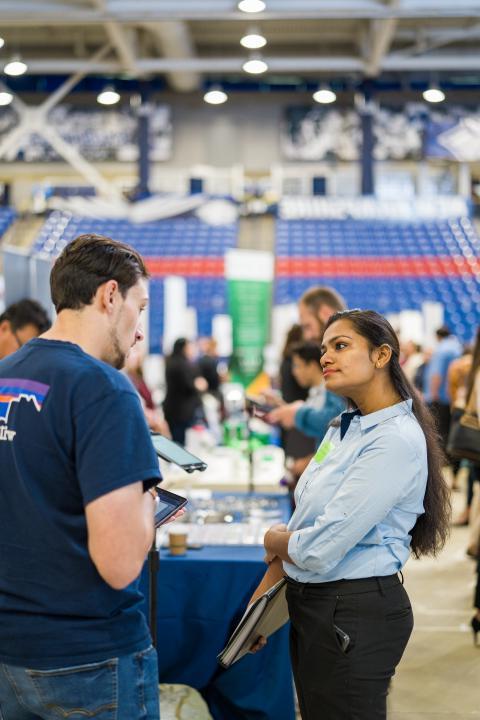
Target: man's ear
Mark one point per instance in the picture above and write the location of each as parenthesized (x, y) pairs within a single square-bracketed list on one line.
[(107, 296), (5, 326)]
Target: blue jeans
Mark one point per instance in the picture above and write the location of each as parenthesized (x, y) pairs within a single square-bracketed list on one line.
[(122, 688)]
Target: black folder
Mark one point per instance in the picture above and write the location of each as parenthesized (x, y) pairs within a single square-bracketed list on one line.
[(262, 618)]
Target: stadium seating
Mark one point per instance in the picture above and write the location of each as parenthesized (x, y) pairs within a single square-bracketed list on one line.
[(386, 266), (183, 246)]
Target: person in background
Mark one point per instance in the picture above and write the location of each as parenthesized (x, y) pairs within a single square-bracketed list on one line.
[(314, 308), (295, 443), (134, 372), (307, 371), (458, 372), (19, 323), (373, 494), (419, 377), (473, 391), (77, 501), (412, 359), (207, 364), (182, 405), (436, 382)]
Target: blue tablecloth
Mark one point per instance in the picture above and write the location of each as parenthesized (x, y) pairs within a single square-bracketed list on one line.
[(201, 597)]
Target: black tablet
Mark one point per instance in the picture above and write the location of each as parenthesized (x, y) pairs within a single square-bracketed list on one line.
[(166, 505)]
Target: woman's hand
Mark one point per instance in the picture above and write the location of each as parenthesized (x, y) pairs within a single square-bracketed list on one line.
[(259, 644)]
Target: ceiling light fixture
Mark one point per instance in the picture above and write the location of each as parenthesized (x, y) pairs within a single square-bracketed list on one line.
[(5, 98), (108, 96), (255, 65), (324, 95), (2, 42), (433, 94), (253, 40), (215, 96), (15, 67), (251, 6)]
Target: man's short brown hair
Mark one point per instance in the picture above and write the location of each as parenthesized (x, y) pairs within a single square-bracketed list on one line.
[(88, 262), (314, 298)]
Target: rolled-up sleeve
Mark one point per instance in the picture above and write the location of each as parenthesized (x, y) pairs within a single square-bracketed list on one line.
[(384, 472)]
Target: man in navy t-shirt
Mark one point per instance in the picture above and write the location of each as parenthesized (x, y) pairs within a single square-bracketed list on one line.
[(76, 517)]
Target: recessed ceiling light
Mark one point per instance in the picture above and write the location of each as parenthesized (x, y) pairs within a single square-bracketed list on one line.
[(215, 96), (15, 67), (109, 96), (324, 96), (253, 41), (434, 95), (255, 66), (251, 6), (5, 98)]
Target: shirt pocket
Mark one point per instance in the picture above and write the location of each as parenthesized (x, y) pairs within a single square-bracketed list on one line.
[(87, 691)]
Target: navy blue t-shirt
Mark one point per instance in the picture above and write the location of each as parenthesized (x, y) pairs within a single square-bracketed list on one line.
[(71, 430)]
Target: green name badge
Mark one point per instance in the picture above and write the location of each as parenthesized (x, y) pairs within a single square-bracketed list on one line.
[(322, 452)]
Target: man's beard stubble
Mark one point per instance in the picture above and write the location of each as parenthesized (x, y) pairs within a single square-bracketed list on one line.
[(116, 357)]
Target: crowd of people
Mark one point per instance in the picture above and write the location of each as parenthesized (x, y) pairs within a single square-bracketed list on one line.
[(366, 427)]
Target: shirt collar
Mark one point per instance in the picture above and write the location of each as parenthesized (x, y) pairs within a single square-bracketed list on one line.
[(372, 419)]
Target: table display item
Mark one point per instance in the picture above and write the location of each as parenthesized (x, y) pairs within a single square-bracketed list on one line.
[(177, 541)]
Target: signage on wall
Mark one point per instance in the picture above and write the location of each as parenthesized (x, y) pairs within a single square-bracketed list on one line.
[(317, 134), (99, 134)]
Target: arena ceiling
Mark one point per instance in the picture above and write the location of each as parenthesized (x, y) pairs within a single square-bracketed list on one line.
[(189, 42)]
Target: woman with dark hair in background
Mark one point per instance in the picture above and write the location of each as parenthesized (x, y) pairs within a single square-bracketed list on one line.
[(473, 398), (295, 443), (182, 405), (373, 493)]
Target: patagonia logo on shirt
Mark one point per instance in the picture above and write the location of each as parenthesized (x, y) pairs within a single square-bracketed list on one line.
[(14, 390), (325, 448)]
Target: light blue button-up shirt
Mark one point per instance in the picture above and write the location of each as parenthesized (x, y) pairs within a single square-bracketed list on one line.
[(359, 498)]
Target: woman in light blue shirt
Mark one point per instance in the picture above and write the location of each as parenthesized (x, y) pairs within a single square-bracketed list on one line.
[(373, 493)]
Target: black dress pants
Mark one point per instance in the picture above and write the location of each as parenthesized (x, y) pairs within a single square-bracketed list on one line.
[(350, 684)]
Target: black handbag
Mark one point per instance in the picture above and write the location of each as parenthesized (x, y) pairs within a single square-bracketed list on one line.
[(464, 436)]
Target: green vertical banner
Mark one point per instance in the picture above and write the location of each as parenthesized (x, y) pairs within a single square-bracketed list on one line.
[(249, 276)]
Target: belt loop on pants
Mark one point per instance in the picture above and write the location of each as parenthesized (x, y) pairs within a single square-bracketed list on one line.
[(401, 577)]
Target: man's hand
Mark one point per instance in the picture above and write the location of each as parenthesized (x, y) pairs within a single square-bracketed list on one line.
[(177, 515), (284, 415), (272, 397)]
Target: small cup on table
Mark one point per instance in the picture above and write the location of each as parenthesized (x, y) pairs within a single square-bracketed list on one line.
[(177, 541)]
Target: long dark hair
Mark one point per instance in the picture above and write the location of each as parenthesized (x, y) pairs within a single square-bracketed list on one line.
[(475, 365), (432, 528)]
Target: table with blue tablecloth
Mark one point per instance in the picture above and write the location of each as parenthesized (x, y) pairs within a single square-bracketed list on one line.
[(201, 597)]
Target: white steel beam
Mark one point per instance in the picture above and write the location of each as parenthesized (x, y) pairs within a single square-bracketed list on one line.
[(429, 39), (174, 41), (382, 33), (31, 12), (394, 61), (34, 119), (122, 39), (76, 160)]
